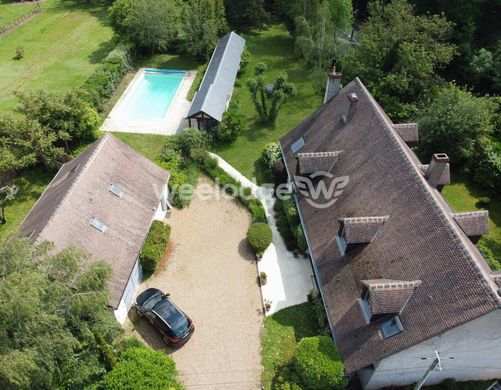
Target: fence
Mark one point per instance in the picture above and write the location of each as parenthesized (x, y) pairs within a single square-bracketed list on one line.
[(21, 19)]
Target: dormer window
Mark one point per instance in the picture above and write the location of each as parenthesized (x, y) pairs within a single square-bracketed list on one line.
[(366, 305), (391, 327)]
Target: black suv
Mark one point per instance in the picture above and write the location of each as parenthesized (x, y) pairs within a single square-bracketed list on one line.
[(174, 326)]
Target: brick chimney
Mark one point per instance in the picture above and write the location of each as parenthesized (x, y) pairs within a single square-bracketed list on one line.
[(333, 85), (352, 103), (437, 166)]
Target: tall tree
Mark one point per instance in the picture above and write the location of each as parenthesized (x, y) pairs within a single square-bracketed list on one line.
[(244, 15), (399, 54), (268, 99), (51, 311), (202, 22)]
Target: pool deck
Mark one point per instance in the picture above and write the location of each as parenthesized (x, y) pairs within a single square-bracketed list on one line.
[(173, 122)]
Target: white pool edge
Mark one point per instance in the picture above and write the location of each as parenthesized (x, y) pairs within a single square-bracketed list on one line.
[(171, 123)]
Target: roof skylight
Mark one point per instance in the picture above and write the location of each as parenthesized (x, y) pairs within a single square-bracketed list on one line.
[(97, 224), (297, 145), (115, 190)]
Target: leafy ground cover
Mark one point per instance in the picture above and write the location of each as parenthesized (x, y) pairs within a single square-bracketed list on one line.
[(463, 195), (62, 46), (274, 46), (282, 331), (10, 11)]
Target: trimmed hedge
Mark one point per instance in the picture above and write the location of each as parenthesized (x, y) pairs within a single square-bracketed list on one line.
[(317, 363), (154, 246), (104, 81), (142, 368), (259, 236)]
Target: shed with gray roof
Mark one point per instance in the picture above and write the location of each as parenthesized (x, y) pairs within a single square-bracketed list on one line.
[(212, 98)]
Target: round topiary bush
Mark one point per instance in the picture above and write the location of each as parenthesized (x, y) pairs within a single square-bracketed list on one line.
[(259, 236), (318, 364)]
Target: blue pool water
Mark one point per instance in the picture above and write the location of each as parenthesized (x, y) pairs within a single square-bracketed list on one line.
[(152, 97)]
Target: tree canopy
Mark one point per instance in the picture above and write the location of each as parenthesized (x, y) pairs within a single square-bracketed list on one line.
[(398, 56), (51, 311)]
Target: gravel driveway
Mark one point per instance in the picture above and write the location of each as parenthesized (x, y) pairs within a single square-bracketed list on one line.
[(211, 276)]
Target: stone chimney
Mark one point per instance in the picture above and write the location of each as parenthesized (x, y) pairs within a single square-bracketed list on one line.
[(352, 103), (333, 85), (437, 166)]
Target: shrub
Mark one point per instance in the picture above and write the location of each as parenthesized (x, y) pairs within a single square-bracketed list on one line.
[(271, 154), (19, 53), (154, 246), (143, 367), (244, 60), (262, 278), (103, 82), (300, 238), (191, 139), (230, 127), (259, 236), (318, 364)]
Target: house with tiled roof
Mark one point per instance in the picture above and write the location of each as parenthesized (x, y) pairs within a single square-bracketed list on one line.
[(104, 202), (408, 295)]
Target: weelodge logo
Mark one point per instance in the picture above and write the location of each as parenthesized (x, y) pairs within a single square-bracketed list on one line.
[(321, 189)]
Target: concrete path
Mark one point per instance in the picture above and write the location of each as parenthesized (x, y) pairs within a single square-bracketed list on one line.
[(211, 275), (289, 278)]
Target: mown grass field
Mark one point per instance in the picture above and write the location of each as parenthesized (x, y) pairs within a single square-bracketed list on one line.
[(275, 47), (10, 11), (62, 45)]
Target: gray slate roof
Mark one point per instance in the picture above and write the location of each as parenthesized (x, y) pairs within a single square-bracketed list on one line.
[(474, 223), (215, 90), (80, 192), (313, 162), (421, 240)]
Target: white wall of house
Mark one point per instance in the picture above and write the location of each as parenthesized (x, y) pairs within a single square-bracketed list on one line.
[(137, 273), (129, 293), (161, 211), (471, 351)]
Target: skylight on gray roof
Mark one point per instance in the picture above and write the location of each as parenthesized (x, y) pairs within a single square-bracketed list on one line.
[(297, 145), (115, 190), (97, 224)]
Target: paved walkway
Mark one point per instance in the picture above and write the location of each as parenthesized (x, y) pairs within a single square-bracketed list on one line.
[(212, 276), (289, 278)]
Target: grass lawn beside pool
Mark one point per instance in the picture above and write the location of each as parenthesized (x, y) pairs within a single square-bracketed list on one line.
[(463, 195), (274, 46), (280, 335), (10, 11), (63, 45), (149, 145)]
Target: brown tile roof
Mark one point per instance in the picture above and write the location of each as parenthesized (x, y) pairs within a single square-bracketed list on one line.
[(408, 131), (362, 229), (80, 192), (389, 296), (473, 223), (420, 240), (313, 162)]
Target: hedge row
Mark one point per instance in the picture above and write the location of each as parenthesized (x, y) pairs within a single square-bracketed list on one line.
[(289, 224), (154, 246), (104, 81)]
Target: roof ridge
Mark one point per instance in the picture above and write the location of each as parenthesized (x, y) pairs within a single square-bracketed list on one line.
[(390, 284), (353, 220), (86, 166), (321, 154), (444, 215), (465, 214)]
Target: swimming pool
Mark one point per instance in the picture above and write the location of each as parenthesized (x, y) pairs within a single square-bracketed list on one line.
[(152, 96)]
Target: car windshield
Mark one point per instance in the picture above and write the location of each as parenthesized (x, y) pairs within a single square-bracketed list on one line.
[(152, 302), (176, 320)]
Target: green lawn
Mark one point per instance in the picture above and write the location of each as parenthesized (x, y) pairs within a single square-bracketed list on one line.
[(31, 185), (275, 47), (149, 145), (463, 195), (282, 331), (10, 11), (63, 45)]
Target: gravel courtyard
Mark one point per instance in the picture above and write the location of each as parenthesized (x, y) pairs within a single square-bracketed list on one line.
[(211, 276)]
